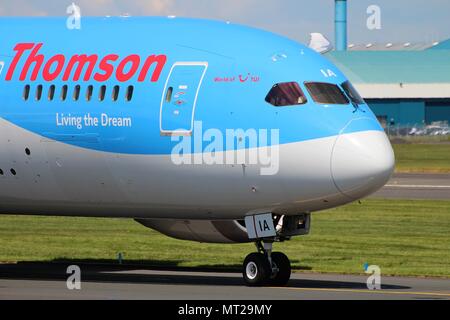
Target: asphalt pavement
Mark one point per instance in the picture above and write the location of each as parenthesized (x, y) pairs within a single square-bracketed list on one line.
[(48, 281), (416, 186)]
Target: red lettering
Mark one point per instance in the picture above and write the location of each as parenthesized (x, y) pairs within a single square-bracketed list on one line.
[(81, 60), (106, 67), (79, 63), (135, 61), (160, 62), (20, 48), (47, 74), (38, 59)]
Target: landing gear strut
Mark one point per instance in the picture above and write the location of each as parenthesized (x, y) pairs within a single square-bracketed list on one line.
[(266, 267)]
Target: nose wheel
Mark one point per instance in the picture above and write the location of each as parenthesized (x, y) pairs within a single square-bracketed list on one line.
[(266, 268)]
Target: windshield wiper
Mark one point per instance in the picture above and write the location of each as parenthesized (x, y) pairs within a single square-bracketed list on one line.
[(356, 106)]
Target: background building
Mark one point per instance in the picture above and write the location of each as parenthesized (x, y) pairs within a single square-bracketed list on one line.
[(404, 84)]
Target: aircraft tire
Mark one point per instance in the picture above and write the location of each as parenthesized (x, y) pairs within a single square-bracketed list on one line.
[(256, 270), (282, 263)]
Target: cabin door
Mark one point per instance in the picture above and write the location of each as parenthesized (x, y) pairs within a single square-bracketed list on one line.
[(180, 97)]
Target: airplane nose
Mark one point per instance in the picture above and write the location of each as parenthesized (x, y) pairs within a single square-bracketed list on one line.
[(361, 162)]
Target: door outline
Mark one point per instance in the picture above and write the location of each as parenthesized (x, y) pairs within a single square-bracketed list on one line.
[(181, 132)]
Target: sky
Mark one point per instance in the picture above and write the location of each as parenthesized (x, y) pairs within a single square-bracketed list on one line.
[(401, 20)]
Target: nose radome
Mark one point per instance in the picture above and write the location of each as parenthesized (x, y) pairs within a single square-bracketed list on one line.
[(363, 161)]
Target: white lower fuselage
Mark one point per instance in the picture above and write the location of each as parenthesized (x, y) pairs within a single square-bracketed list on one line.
[(57, 178)]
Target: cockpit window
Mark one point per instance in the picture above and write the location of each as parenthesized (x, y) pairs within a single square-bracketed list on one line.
[(326, 93), (352, 93), (286, 94)]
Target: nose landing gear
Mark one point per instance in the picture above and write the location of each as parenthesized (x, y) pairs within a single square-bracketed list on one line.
[(266, 267)]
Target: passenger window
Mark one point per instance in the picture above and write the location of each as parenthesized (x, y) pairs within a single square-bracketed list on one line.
[(64, 93), (286, 94), (39, 92), (169, 94), (326, 93), (352, 93), (89, 91), (101, 95), (76, 93), (51, 92), (26, 92), (115, 94), (129, 95)]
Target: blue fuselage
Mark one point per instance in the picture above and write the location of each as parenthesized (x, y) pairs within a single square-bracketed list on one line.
[(103, 108)]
